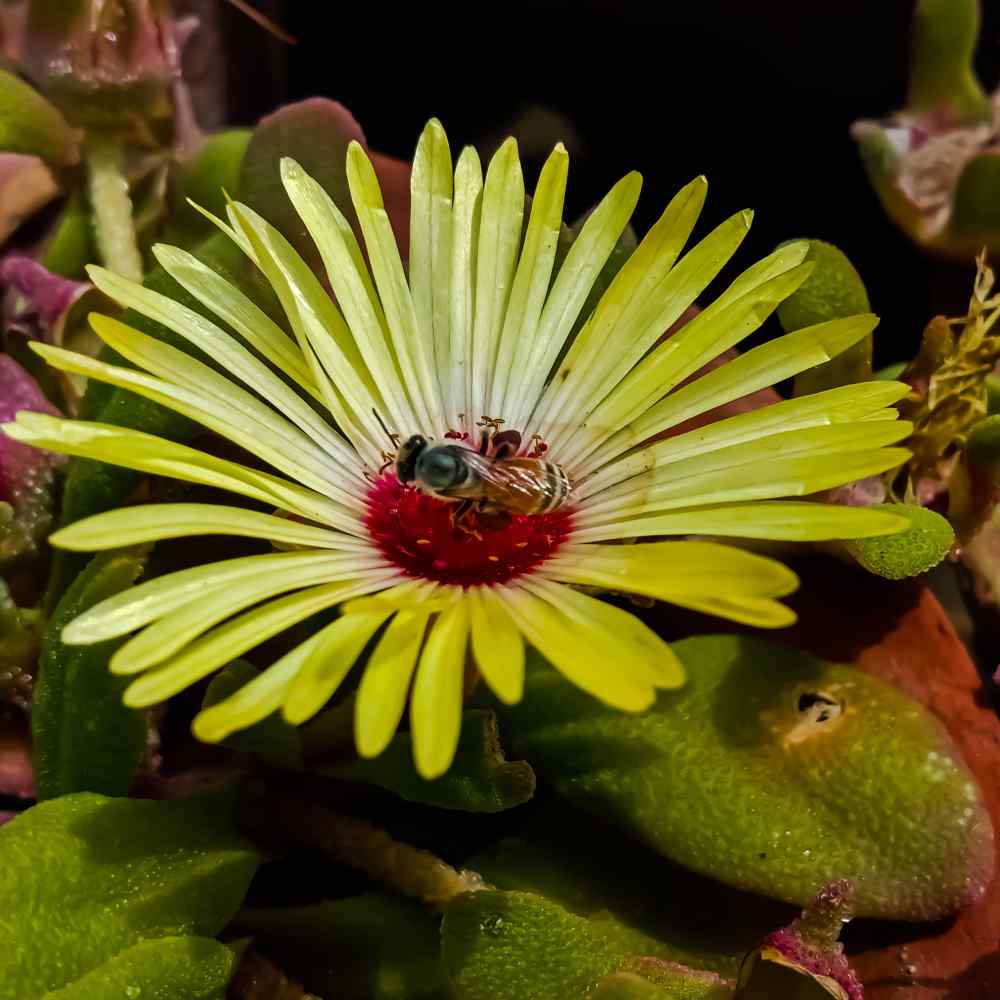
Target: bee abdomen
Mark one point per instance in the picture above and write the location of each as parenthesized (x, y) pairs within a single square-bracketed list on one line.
[(557, 487)]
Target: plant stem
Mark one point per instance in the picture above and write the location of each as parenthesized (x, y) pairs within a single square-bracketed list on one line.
[(357, 843), (112, 207)]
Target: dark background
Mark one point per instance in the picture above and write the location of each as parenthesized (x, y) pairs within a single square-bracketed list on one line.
[(756, 94)]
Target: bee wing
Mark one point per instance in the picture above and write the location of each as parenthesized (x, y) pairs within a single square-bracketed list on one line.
[(509, 475)]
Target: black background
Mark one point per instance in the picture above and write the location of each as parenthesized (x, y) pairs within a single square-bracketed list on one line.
[(756, 94)]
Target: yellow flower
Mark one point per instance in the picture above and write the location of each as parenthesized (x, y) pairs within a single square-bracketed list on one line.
[(484, 324)]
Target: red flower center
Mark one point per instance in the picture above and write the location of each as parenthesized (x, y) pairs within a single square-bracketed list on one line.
[(420, 534)]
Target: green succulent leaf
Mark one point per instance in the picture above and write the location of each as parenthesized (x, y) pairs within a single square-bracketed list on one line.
[(976, 203), (30, 124), (370, 947), (942, 46), (913, 551), (86, 878), (834, 290), (170, 968), (205, 179), (775, 772), (84, 738), (520, 946), (631, 895), (480, 778), (315, 133), (272, 739)]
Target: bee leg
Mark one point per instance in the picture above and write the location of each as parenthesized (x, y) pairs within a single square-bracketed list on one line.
[(493, 518), (459, 511)]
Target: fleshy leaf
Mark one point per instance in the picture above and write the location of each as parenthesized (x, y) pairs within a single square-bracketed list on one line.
[(316, 133), (643, 903), (942, 47), (520, 946), (834, 290), (480, 778), (913, 551), (181, 968), (272, 739), (84, 738), (29, 124), (370, 947), (774, 772), (85, 878)]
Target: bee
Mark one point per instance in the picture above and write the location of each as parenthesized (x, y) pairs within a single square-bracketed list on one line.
[(499, 482)]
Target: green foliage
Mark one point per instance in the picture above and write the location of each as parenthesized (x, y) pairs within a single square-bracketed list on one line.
[(480, 778), (370, 947), (521, 946), (170, 968), (976, 206), (32, 125), (272, 739), (834, 290), (774, 772), (942, 47), (911, 552), (86, 878), (316, 134), (84, 738)]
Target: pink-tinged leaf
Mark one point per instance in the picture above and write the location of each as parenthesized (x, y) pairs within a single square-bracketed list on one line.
[(808, 947), (26, 186), (26, 473), (37, 301), (16, 776)]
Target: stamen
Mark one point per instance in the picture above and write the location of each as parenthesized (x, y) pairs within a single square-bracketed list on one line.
[(421, 534)]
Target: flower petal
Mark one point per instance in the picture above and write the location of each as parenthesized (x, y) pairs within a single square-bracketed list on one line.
[(436, 700), (500, 221), (579, 271), (257, 699), (497, 644), (747, 479), (779, 520), (531, 280), (647, 296), (238, 311), (153, 522), (611, 669), (158, 456), (351, 283), (211, 400), (174, 630), (431, 189), (667, 570), (326, 666), (465, 219), (228, 641), (712, 332), (414, 345), (138, 606), (759, 368), (758, 612), (386, 682), (832, 406), (765, 460), (348, 389)]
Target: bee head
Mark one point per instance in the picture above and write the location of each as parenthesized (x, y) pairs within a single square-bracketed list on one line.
[(406, 458), (441, 467)]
